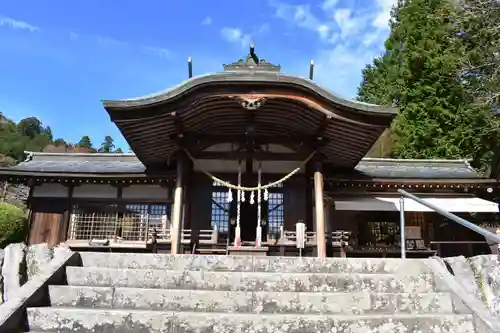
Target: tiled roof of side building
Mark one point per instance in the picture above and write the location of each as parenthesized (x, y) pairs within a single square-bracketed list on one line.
[(78, 163), (107, 164), (417, 169)]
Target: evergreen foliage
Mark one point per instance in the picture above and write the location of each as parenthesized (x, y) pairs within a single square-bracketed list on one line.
[(107, 146), (13, 225), (421, 73), (30, 135), (85, 142)]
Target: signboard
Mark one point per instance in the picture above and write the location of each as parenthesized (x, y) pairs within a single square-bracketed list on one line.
[(300, 229)]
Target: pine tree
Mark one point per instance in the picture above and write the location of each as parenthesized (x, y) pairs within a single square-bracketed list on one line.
[(107, 146), (85, 142)]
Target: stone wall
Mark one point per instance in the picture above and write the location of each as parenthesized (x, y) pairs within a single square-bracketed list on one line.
[(19, 263), (480, 276)]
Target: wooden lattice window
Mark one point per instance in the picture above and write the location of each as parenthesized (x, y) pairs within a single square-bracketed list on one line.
[(128, 221), (220, 210), (275, 212), (156, 214)]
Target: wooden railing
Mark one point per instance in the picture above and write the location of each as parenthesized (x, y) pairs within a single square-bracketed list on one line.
[(134, 230), (338, 238), (204, 237)]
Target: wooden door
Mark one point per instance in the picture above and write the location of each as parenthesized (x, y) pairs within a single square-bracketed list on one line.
[(49, 221), (47, 228)]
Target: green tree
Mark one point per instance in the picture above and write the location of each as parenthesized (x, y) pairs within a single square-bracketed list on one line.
[(420, 74), (119, 151), (108, 145), (60, 142), (479, 24), (13, 225), (47, 131), (30, 127), (85, 142)]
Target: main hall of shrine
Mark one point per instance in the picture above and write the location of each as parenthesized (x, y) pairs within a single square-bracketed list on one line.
[(252, 160)]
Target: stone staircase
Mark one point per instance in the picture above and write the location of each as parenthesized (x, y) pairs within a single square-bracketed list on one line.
[(146, 293)]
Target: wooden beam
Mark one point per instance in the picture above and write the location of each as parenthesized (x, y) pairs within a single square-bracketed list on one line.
[(190, 138), (263, 156)]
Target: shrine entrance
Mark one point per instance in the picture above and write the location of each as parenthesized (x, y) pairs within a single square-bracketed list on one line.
[(248, 222), (252, 114)]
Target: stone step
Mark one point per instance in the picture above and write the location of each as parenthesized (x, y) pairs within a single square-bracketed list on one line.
[(76, 320), (249, 302), (249, 281), (252, 264)]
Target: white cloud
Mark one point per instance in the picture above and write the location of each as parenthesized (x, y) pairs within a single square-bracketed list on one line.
[(111, 43), (329, 4), (324, 31), (383, 13), (207, 21), (106, 41), (263, 28), (300, 15), (157, 51), (349, 36), (236, 35), (73, 36), (17, 25), (349, 23), (243, 38)]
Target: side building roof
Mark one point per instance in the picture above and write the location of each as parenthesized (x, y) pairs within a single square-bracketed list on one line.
[(76, 165)]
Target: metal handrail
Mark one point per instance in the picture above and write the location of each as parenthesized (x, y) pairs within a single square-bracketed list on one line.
[(491, 237)]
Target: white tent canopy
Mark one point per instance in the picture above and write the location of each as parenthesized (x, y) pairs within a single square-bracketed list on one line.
[(450, 204)]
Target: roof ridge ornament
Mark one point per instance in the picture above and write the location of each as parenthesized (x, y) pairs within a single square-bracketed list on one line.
[(252, 63)]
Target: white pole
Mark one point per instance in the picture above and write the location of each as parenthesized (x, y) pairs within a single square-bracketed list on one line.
[(237, 233), (259, 208), (402, 226)]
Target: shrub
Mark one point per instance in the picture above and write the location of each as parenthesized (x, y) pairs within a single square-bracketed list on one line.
[(13, 224)]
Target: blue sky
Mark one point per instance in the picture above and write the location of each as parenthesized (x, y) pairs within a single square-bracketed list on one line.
[(59, 59)]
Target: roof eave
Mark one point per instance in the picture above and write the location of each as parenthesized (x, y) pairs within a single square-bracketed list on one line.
[(30, 174), (258, 77)]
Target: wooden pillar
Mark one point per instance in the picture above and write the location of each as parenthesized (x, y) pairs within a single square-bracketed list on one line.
[(319, 211), (178, 207), (308, 198)]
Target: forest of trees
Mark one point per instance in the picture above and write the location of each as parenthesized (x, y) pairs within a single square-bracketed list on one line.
[(441, 68), (30, 135)]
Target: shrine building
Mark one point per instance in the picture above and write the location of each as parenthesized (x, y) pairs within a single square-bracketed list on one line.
[(248, 160)]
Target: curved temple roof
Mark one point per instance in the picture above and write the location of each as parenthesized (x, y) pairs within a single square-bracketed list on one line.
[(280, 109), (242, 77)]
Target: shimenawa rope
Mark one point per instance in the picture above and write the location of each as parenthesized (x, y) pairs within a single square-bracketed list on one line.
[(245, 188)]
